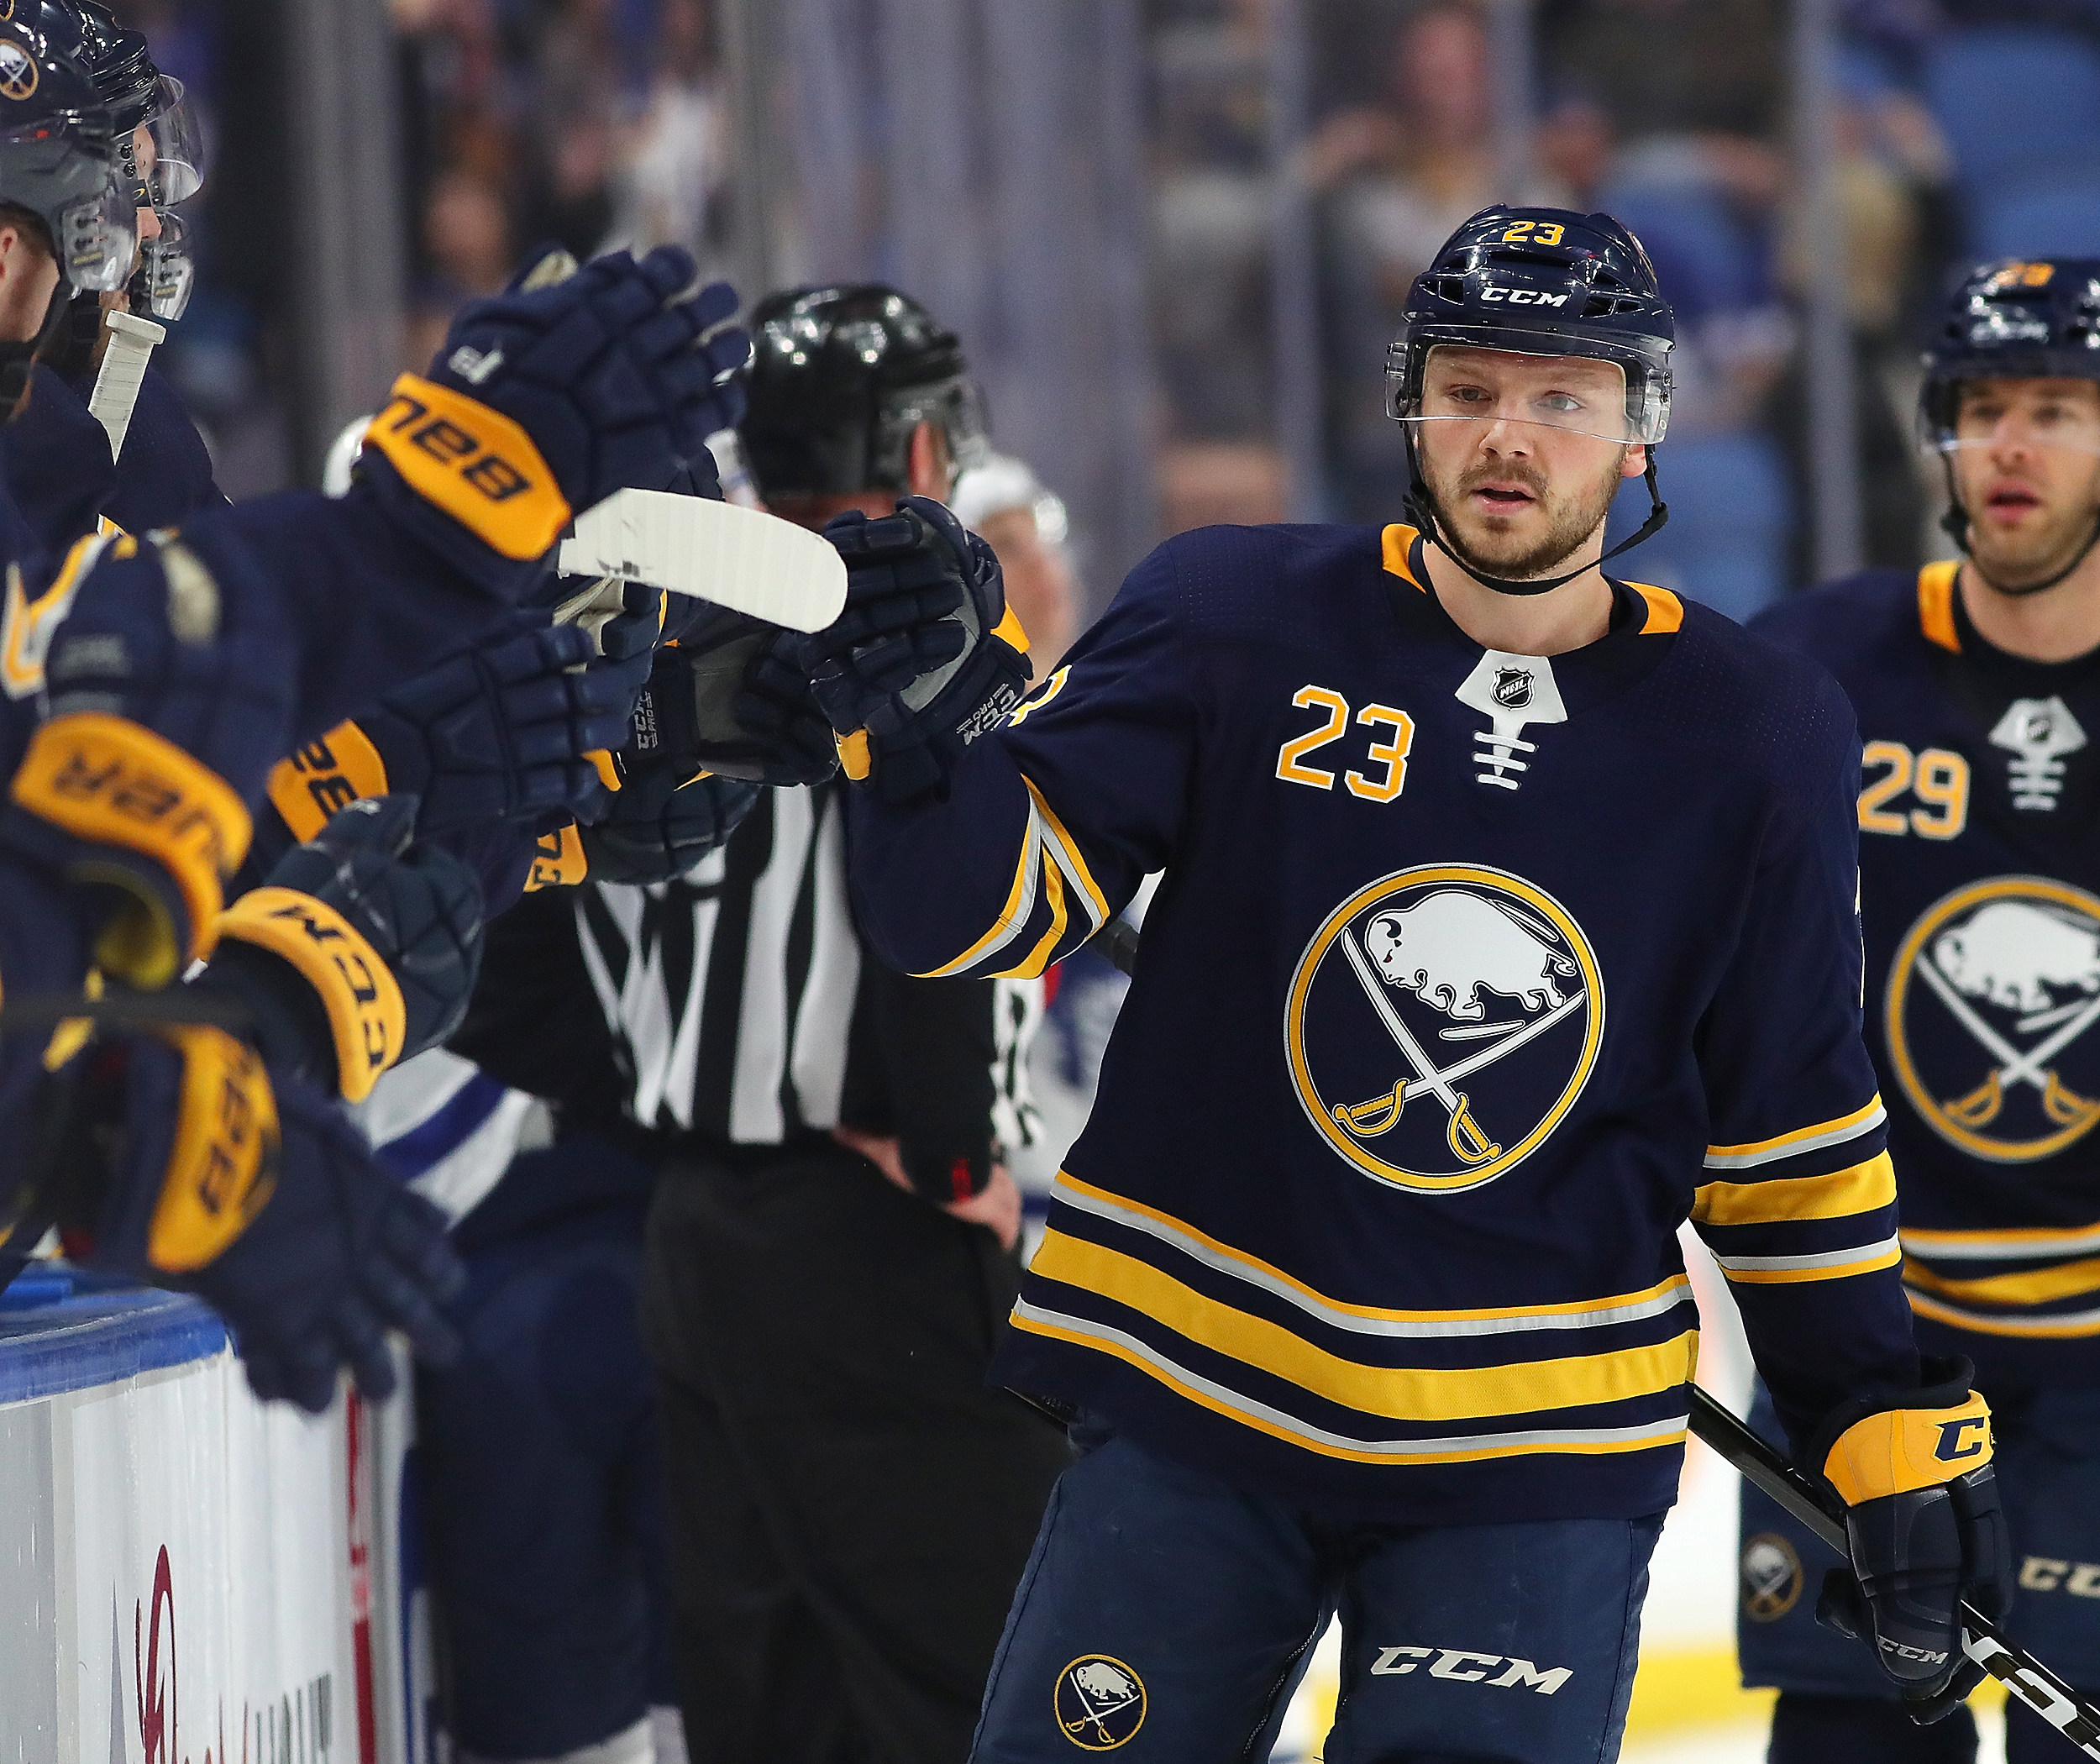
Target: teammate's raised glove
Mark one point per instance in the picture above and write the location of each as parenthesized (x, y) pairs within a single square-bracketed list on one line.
[(547, 398), (503, 730), (359, 951), (663, 822), (1927, 1532), (926, 656), (211, 1174), (719, 699)]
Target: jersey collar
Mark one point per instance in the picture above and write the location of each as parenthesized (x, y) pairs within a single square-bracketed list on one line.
[(1661, 613)]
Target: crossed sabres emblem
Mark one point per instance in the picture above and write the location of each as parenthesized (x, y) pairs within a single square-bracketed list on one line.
[(1447, 950), (2015, 945), (1100, 1702)]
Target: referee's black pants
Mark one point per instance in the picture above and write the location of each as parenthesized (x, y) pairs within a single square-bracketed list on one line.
[(850, 1507)]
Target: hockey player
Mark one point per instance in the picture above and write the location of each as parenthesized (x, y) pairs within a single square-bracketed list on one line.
[(1508, 920), (1976, 684)]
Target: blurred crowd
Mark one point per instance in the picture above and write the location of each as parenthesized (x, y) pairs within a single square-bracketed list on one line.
[(1965, 129)]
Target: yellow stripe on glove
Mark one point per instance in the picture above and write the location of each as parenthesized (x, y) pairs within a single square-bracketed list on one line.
[(222, 1169), (358, 990), (1901, 1449), (110, 781), (341, 768), (475, 464)]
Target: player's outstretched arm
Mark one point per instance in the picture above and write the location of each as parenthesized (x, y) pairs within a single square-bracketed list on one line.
[(994, 835)]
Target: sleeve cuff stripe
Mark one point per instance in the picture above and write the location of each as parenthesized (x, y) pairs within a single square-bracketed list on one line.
[(2020, 1244), (1862, 1188), (1828, 1265), (1020, 907), (1069, 858), (1801, 1139)]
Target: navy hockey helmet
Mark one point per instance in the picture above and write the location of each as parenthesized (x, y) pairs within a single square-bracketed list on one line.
[(120, 63), (1541, 281), (840, 378), (2013, 320), (58, 160)]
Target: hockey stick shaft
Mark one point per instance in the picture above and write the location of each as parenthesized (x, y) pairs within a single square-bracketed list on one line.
[(1763, 1467), (2023, 1676)]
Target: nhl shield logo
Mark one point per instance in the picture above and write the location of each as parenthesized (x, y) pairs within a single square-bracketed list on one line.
[(1442, 1023), (1992, 998), (1512, 689), (1772, 1578), (1100, 1702)]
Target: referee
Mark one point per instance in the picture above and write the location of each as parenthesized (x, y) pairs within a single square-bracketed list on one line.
[(830, 1251)]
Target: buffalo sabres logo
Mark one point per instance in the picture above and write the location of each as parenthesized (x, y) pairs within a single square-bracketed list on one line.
[(1100, 1702), (17, 71), (1992, 992), (1440, 1024), (1772, 1578)]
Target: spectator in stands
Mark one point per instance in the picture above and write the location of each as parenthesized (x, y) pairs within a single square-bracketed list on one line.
[(466, 236), (678, 163)]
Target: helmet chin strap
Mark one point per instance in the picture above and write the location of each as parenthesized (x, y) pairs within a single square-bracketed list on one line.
[(1955, 523), (1420, 509), (18, 360)]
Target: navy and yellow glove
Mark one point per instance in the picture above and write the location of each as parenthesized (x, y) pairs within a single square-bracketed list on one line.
[(194, 1165), (1927, 1531), (547, 398), (926, 657), (663, 824), (503, 729), (360, 950)]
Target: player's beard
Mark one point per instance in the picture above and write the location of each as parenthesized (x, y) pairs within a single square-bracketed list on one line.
[(2024, 563), (1572, 518)]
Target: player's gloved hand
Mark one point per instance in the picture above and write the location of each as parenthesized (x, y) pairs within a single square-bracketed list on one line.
[(360, 950), (719, 701), (1927, 1531), (548, 397), (217, 1176), (659, 826), (926, 656), (503, 730)]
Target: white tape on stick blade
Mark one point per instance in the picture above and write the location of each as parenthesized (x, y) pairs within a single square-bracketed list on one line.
[(742, 558), (132, 342)]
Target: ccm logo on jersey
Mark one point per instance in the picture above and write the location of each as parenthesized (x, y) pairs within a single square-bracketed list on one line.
[(1462, 1667), (1524, 296), (2047, 1574)]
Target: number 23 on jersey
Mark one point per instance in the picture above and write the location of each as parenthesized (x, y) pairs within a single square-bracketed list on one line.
[(1384, 773)]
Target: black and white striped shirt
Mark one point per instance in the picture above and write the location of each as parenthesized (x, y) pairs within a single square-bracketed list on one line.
[(741, 1008)]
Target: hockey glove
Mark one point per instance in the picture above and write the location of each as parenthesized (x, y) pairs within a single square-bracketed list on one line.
[(547, 398), (659, 828), (358, 952), (503, 729), (1927, 1532), (212, 1174), (718, 701), (926, 656)]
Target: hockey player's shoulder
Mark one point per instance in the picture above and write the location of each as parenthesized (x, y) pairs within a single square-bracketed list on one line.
[(1774, 707), (1226, 578), (1843, 619)]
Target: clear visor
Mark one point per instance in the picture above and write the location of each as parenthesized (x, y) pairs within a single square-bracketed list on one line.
[(1985, 421), (957, 407), (98, 240), (171, 269), (1490, 383), (167, 149)]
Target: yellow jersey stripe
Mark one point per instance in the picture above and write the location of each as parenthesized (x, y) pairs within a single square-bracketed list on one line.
[(2071, 1325), (1823, 1134), (2041, 1286), (1084, 1332), (1366, 1319), (1394, 545), (2014, 1244), (1666, 612), (1860, 1188), (1830, 1265), (1038, 958), (1013, 916), (1935, 604), (1403, 1393), (1074, 865)]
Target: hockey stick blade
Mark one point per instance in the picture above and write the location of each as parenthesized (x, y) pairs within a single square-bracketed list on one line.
[(742, 558), (1982, 1640)]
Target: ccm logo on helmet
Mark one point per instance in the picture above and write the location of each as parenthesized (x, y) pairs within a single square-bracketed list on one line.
[(1524, 296), (1462, 1667)]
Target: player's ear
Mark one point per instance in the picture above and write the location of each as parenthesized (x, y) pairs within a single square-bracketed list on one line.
[(1635, 461)]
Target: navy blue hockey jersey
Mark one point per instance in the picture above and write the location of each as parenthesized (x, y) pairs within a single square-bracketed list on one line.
[(1472, 976), (1980, 871)]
